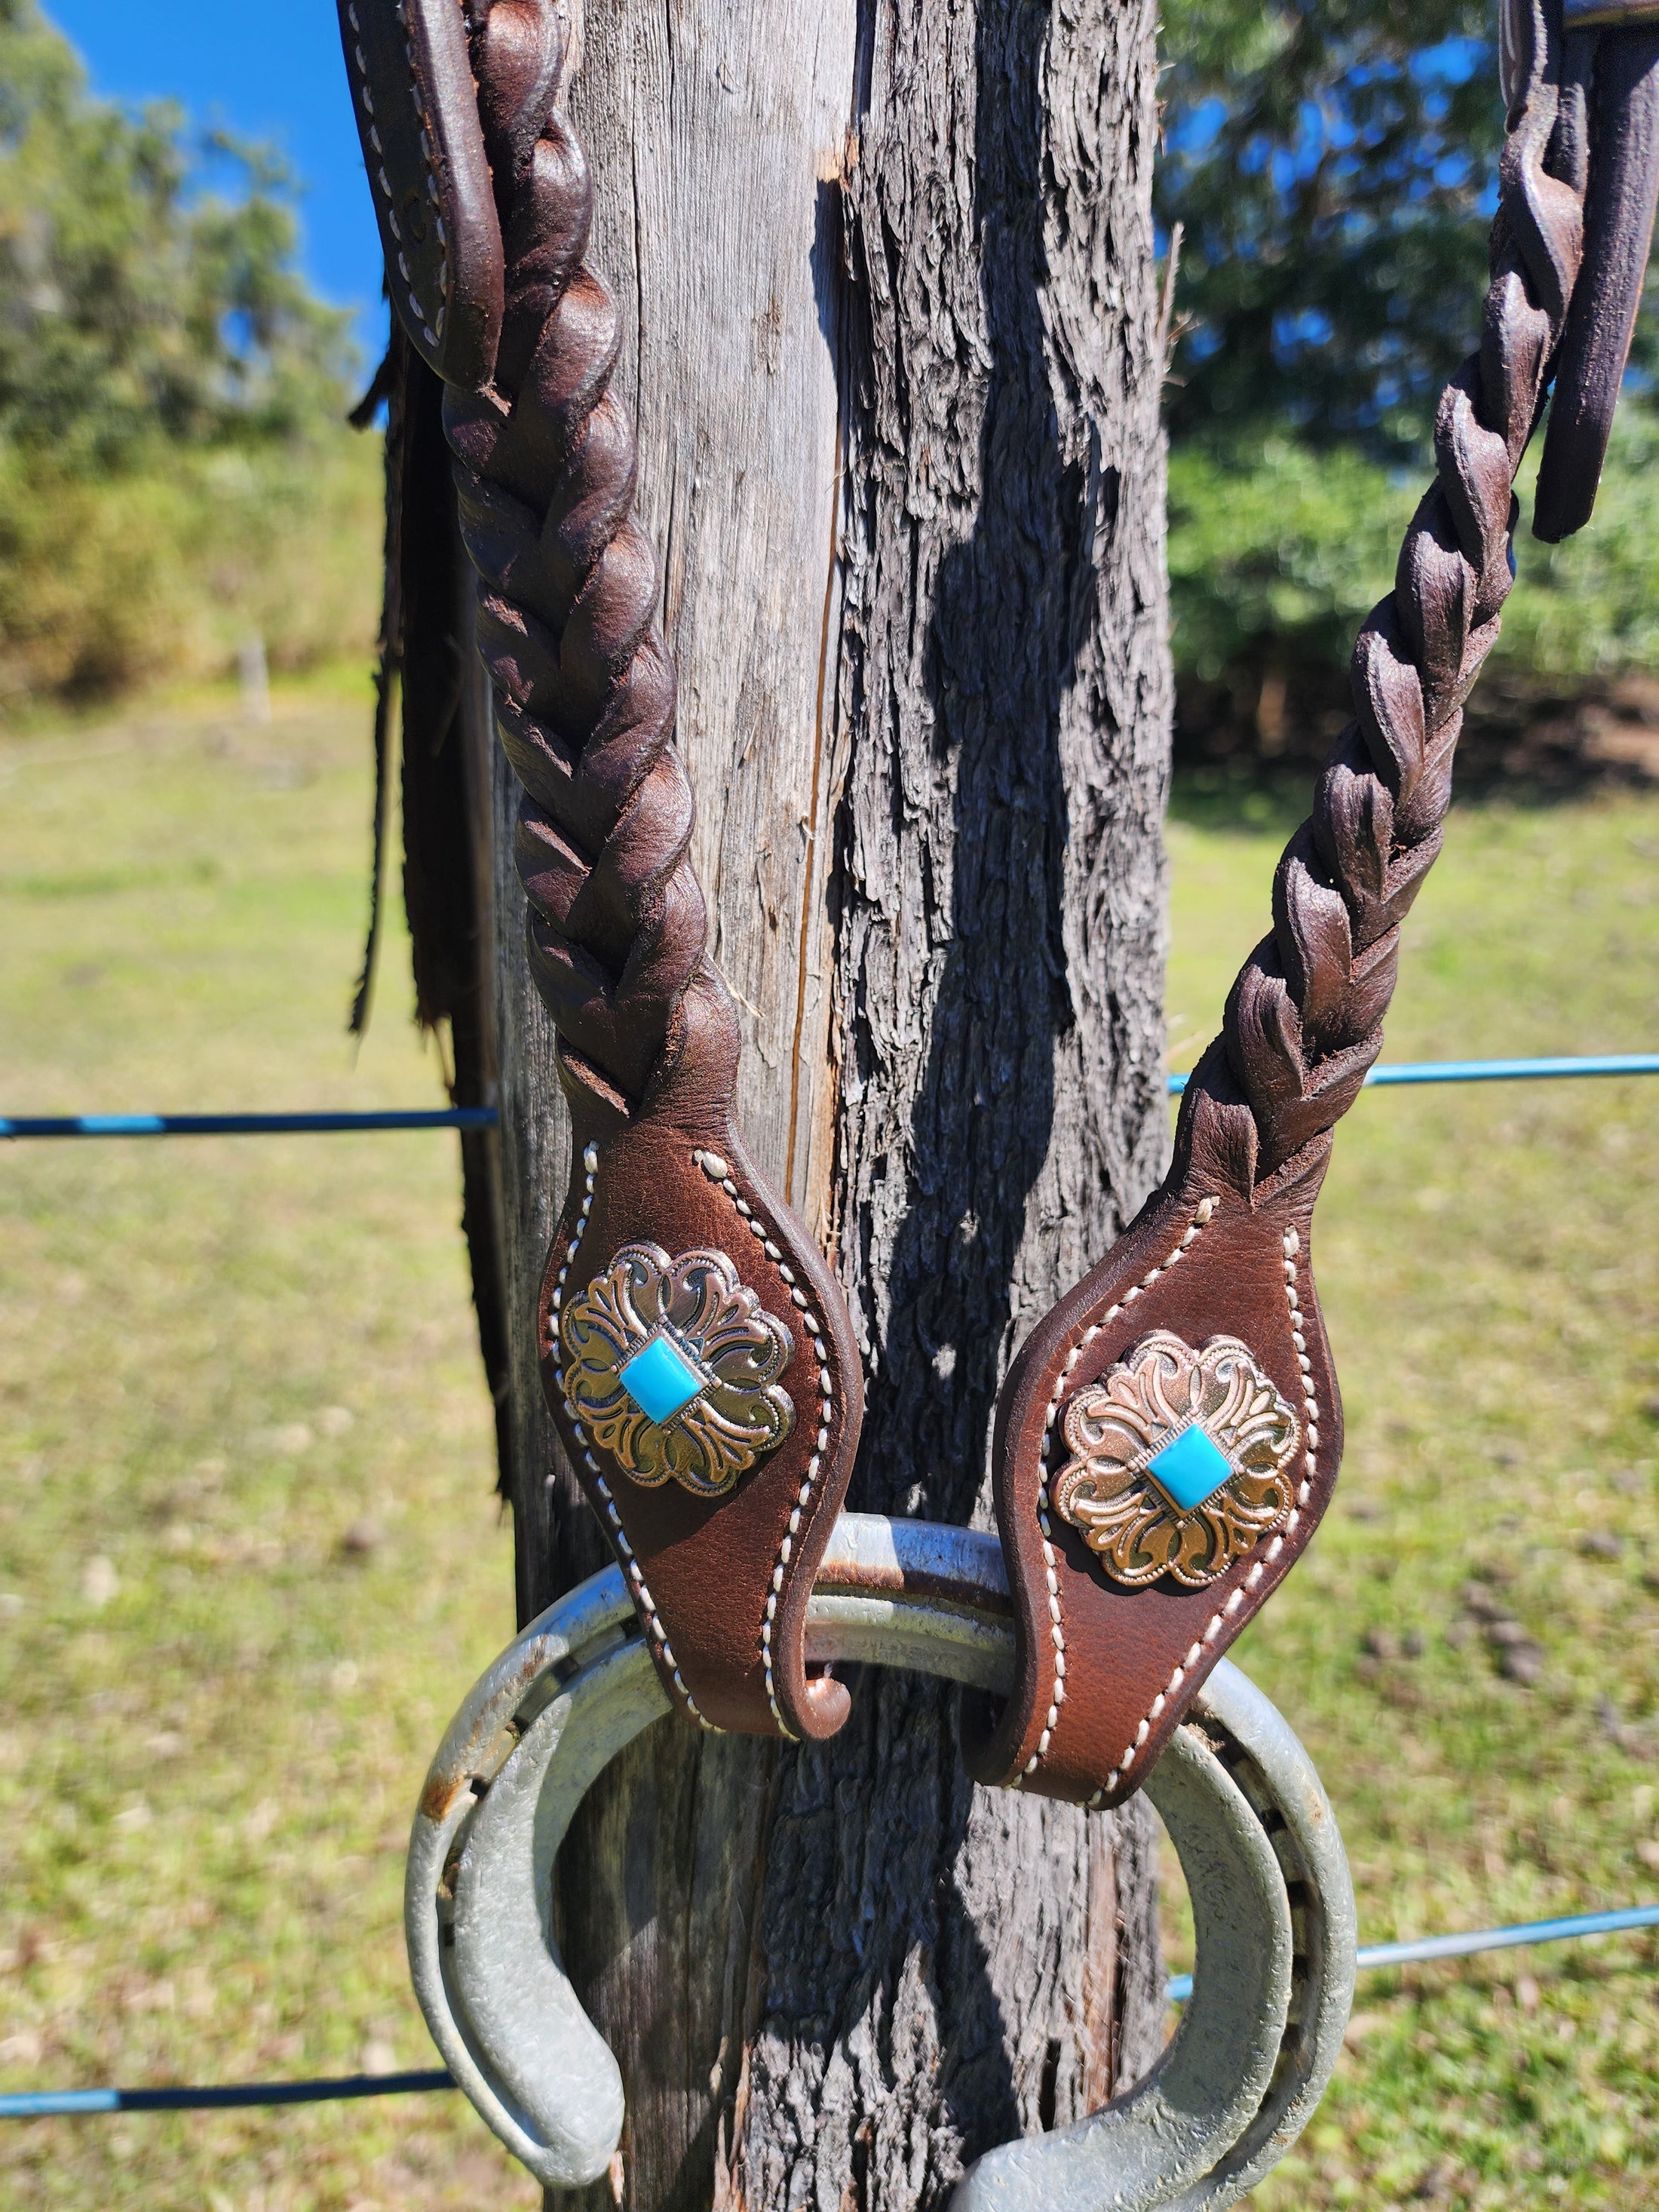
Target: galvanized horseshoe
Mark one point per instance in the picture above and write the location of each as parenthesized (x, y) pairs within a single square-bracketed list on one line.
[(1273, 1979)]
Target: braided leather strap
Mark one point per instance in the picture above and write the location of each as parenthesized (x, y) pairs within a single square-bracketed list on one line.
[(1169, 1434), (695, 1350)]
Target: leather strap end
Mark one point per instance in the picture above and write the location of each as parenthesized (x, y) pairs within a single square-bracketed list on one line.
[(416, 107), (1165, 1446), (698, 1360), (1618, 213)]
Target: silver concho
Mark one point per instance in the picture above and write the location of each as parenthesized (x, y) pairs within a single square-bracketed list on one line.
[(1180, 1463), (672, 1365)]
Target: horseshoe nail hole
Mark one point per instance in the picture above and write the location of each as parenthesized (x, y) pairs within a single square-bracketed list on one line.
[(494, 1758), (1288, 1853), (446, 1880), (1302, 1899), (1251, 1780)]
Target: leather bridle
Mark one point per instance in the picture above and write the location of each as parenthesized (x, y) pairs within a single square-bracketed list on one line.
[(1169, 1434)]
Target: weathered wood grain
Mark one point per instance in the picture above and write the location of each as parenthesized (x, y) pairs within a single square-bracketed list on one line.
[(887, 274)]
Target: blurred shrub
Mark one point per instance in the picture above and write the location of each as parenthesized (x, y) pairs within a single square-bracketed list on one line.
[(1278, 551), (174, 470), (166, 570)]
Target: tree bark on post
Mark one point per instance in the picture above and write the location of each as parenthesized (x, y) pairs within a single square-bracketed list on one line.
[(894, 354)]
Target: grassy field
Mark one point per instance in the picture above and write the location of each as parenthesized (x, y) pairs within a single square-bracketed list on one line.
[(249, 1557), (247, 1540), (1471, 1648)]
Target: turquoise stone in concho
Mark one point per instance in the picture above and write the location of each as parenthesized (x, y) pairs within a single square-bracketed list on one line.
[(1181, 1460), (671, 1366), (659, 1381), (1190, 1468)]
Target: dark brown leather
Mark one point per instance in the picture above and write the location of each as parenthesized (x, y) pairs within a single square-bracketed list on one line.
[(412, 94), (1105, 1672), (1623, 149), (719, 1510), (1114, 1641)]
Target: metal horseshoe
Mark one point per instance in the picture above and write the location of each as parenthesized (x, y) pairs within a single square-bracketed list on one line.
[(1273, 1903)]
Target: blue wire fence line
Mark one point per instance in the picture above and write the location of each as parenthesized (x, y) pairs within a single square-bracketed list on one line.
[(57, 2104), (1494, 1071), (241, 1125), (485, 1117), (60, 2103), (1371, 1956)]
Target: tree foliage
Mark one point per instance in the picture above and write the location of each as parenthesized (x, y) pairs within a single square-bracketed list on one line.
[(139, 303), (1331, 163), (1279, 552), (174, 472)]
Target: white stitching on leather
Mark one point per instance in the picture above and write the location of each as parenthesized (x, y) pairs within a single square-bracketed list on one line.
[(631, 1565), (717, 1171), (1310, 1403), (367, 97), (1057, 1628)]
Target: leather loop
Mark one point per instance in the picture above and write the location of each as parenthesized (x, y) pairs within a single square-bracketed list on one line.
[(1619, 211), (721, 1581), (1213, 1281)]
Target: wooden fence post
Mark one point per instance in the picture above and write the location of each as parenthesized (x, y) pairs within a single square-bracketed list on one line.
[(886, 271)]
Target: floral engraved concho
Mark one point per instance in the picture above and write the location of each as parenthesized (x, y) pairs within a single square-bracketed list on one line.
[(672, 1365), (1180, 1461)]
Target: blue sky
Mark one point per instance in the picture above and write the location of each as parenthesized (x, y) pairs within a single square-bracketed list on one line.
[(272, 72)]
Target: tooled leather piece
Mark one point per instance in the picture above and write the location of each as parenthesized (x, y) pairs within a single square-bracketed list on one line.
[(1105, 1672), (1112, 1650), (411, 93), (716, 1272), (722, 1584)]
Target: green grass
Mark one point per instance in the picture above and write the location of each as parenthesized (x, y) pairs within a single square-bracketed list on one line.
[(1489, 1260), (217, 1357)]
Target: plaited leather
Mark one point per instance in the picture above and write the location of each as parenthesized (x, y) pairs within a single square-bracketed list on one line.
[(648, 1042), (1116, 1635), (1223, 1247)]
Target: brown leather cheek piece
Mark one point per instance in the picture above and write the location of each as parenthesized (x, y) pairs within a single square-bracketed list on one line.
[(412, 94), (1206, 1284), (721, 1580), (695, 1350), (1169, 1437)]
